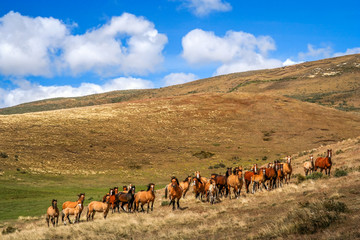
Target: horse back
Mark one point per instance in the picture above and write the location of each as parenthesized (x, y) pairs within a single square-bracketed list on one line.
[(248, 175), (69, 204), (320, 162)]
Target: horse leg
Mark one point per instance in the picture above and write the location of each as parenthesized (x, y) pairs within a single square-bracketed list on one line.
[(173, 201), (178, 204), (152, 205), (47, 220)]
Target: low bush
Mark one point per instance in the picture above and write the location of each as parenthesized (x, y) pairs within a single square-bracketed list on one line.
[(315, 176), (340, 172)]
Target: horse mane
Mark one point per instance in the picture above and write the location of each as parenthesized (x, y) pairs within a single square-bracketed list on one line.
[(52, 203), (177, 181), (148, 187), (186, 179)]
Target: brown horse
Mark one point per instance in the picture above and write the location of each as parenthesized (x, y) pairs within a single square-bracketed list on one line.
[(113, 201), (271, 176), (287, 169), (144, 197), (65, 213), (127, 198), (279, 168), (258, 179), (235, 181), (69, 204), (185, 185), (53, 213), (96, 206), (221, 181), (199, 187), (324, 163), (175, 192), (198, 175), (309, 165)]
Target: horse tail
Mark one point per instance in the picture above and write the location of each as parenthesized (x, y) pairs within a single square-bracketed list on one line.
[(166, 191)]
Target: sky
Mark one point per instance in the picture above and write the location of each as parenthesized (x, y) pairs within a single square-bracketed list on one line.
[(51, 49)]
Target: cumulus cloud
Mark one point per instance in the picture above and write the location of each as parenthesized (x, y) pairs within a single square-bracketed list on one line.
[(316, 53), (236, 51), (178, 78), (28, 45), (205, 7), (289, 62), (101, 49), (27, 91), (44, 47)]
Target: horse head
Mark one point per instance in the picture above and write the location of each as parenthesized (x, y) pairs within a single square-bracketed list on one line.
[(289, 160), (255, 169), (54, 203), (151, 187), (197, 174), (174, 181), (125, 188)]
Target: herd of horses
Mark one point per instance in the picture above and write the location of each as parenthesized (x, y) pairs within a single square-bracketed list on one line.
[(269, 176)]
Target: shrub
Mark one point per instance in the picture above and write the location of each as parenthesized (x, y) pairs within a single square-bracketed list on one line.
[(165, 203), (339, 151), (219, 165), (315, 175), (300, 178), (264, 158), (340, 172), (3, 155), (8, 230), (203, 154)]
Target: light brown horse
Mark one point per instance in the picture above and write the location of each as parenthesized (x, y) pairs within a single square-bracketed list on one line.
[(69, 204), (235, 181), (52, 213), (185, 185), (324, 163), (309, 166), (97, 206), (175, 192), (65, 213), (280, 174), (212, 191), (144, 197), (258, 179), (287, 169)]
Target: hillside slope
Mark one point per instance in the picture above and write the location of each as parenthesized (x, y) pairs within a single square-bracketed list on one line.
[(157, 136), (334, 82)]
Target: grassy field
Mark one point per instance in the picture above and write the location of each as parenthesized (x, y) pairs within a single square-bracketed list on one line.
[(27, 194), (318, 208)]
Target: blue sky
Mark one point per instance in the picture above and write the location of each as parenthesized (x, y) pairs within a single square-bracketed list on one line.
[(73, 48)]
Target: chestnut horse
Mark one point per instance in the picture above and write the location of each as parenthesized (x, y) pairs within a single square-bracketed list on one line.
[(175, 192), (221, 181), (53, 213), (69, 204), (114, 201), (324, 163), (96, 206), (279, 168), (199, 187), (65, 213), (202, 179), (144, 197), (271, 176), (309, 165)]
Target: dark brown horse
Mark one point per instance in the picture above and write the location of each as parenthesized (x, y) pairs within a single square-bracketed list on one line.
[(221, 181), (199, 187), (324, 163), (126, 198), (114, 201)]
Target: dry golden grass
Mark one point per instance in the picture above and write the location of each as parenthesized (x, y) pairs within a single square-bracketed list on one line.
[(262, 215), (153, 138)]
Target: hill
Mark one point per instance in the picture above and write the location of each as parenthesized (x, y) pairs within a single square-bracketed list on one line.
[(333, 82)]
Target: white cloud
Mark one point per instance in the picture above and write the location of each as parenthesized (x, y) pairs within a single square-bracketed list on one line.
[(236, 51), (102, 50), (27, 92), (27, 45), (316, 53), (205, 7), (289, 62), (348, 51), (178, 78), (44, 47)]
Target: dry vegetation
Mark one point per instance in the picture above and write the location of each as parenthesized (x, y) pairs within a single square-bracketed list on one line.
[(314, 209)]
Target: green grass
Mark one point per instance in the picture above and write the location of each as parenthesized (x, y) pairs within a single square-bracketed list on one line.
[(32, 195)]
